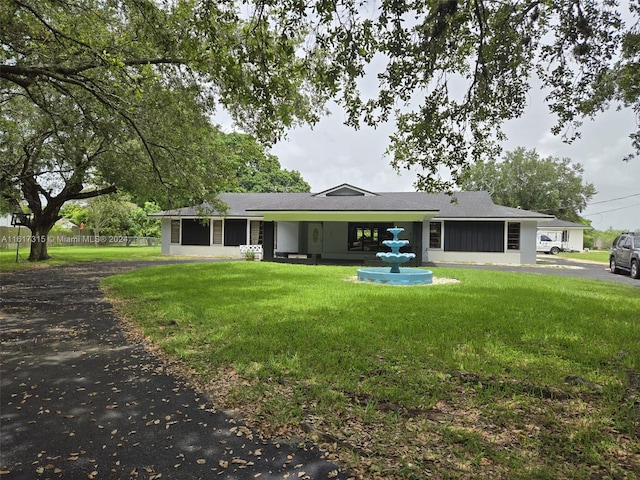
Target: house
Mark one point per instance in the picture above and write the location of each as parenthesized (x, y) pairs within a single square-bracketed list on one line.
[(347, 223), (66, 224), (569, 234)]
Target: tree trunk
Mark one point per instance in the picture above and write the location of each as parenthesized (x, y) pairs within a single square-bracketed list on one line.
[(40, 228)]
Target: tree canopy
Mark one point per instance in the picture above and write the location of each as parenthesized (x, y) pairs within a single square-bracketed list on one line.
[(255, 169), (101, 95), (522, 179), (114, 215), (450, 73)]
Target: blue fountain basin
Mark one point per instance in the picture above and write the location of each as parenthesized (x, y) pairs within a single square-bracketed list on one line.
[(406, 276)]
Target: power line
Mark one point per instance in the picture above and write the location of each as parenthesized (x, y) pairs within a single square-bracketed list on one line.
[(596, 203), (613, 210), (614, 199)]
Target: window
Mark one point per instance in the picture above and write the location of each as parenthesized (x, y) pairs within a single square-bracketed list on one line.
[(235, 232), (615, 241), (513, 236), (194, 232), (175, 231), (435, 235), (256, 232), (217, 232), (368, 237), (465, 236)]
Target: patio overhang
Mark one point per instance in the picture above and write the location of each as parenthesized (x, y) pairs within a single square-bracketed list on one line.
[(345, 216)]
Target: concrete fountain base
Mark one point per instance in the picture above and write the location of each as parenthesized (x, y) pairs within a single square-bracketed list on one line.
[(406, 276)]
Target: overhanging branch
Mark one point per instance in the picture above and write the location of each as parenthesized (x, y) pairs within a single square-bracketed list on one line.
[(25, 76), (94, 193)]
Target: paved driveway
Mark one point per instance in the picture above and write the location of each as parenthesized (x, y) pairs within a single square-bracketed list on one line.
[(551, 265)]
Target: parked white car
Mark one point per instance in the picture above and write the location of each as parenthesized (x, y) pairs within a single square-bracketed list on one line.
[(546, 244)]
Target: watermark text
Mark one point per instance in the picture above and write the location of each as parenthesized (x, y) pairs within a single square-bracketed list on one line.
[(63, 239)]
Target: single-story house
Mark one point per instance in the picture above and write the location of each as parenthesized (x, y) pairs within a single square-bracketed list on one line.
[(5, 220), (347, 223), (66, 224), (570, 234)]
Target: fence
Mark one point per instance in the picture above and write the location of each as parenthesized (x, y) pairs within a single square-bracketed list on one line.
[(10, 237)]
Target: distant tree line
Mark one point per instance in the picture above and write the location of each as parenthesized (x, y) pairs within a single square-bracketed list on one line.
[(523, 179)]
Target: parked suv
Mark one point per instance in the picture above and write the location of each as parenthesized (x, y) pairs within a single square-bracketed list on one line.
[(625, 254)]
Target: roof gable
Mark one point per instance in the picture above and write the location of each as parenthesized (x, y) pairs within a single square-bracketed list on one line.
[(345, 190)]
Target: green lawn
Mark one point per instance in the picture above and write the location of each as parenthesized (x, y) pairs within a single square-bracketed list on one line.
[(591, 256), (502, 375), (77, 253)]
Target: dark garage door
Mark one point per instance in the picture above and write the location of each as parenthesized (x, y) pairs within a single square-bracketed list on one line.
[(474, 236)]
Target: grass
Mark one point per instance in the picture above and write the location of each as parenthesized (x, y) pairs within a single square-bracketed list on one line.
[(591, 256), (502, 375), (77, 253)]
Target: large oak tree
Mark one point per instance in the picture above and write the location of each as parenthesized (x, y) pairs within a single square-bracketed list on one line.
[(100, 95)]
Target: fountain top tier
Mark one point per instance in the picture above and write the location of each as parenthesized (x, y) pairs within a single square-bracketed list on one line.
[(395, 244)]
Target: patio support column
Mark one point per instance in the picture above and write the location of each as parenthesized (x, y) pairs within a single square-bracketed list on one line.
[(268, 237), (416, 242)]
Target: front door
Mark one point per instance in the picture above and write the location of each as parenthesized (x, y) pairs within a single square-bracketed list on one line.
[(315, 238)]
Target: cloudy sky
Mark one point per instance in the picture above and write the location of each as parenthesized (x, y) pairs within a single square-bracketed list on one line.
[(331, 154)]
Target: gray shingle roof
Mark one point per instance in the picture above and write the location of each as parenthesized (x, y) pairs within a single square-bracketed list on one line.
[(458, 205), (238, 204), (379, 202), (556, 223)]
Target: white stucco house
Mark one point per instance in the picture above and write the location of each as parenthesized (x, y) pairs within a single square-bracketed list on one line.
[(571, 235), (347, 223), (5, 220)]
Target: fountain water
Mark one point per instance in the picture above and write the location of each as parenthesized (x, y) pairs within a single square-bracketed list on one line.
[(395, 275)]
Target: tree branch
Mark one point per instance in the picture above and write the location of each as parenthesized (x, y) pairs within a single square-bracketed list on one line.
[(24, 76), (57, 33), (94, 193)]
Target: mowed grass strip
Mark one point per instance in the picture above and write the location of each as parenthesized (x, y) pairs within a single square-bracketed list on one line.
[(600, 256), (77, 253), (503, 374)]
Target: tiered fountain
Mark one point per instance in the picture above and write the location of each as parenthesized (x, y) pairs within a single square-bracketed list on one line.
[(395, 275)]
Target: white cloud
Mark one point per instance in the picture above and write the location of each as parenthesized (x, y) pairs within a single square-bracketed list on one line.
[(332, 153)]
